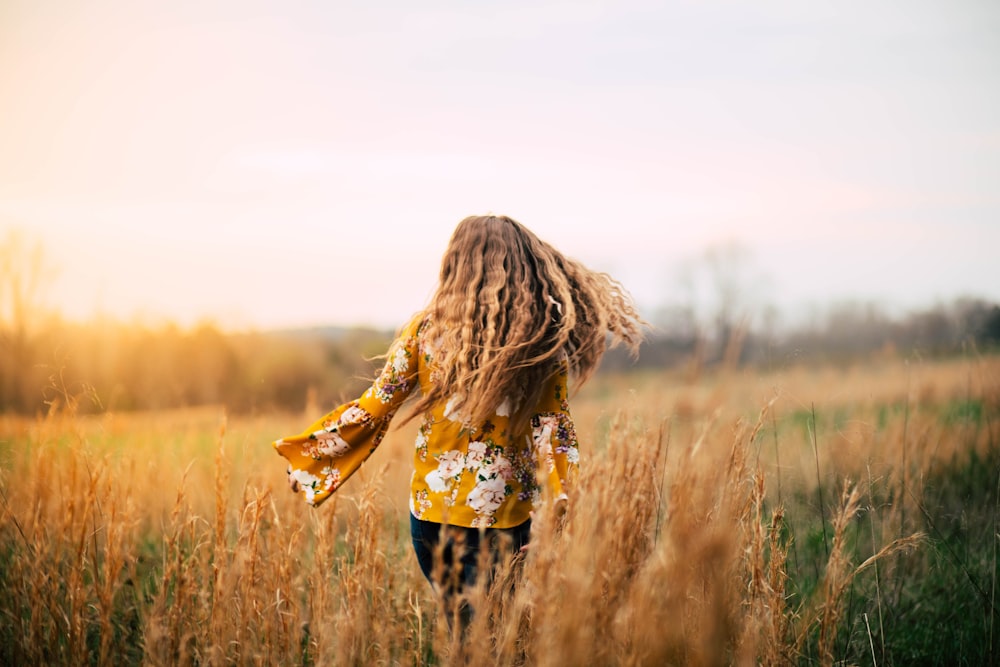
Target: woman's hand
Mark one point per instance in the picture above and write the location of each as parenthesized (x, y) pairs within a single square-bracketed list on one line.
[(293, 483)]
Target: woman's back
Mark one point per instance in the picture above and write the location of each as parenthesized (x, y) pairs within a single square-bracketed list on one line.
[(489, 474)]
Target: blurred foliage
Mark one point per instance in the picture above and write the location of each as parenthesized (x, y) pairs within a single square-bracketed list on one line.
[(105, 364), (844, 333), (114, 366)]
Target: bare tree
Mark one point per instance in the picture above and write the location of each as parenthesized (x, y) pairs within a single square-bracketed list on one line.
[(720, 292), (23, 276)]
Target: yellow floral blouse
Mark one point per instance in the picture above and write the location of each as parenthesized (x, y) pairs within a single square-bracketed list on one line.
[(484, 476)]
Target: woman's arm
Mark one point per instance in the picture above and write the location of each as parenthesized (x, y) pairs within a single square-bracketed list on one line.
[(327, 453), (554, 438)]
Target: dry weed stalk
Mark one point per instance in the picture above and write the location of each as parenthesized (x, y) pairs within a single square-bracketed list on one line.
[(679, 561), (839, 573)]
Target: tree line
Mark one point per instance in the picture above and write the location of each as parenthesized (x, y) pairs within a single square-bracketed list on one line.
[(108, 365), (115, 366), (46, 362), (842, 333)]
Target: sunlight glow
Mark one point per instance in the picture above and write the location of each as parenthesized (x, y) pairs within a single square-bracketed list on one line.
[(287, 165)]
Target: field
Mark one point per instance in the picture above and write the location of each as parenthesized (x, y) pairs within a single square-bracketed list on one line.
[(794, 516)]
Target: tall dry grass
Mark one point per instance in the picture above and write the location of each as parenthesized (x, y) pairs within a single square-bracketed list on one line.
[(168, 539)]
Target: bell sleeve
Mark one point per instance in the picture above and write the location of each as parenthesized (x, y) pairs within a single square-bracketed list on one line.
[(326, 454), (554, 438)]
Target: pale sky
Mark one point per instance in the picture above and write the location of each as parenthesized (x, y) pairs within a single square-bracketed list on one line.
[(268, 164)]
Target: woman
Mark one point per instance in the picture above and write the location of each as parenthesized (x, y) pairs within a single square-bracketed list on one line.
[(511, 320)]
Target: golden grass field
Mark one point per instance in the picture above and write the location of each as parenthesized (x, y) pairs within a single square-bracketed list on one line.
[(741, 517)]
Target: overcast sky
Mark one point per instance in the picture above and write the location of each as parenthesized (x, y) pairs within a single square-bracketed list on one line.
[(289, 163)]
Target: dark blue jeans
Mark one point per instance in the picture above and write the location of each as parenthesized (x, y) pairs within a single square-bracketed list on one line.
[(460, 556)]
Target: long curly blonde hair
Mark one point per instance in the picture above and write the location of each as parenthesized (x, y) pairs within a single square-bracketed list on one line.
[(508, 307)]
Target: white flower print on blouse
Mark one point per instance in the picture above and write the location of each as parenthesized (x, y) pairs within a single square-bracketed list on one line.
[(487, 496), (393, 378), (493, 470), (420, 503), (573, 455), (312, 484), (435, 482), (353, 415), (330, 443), (400, 360), (331, 478), (450, 465), (477, 453), (305, 479), (542, 435), (420, 444), (499, 467)]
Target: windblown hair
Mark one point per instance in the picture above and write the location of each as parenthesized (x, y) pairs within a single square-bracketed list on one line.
[(508, 307)]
